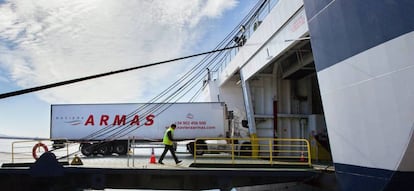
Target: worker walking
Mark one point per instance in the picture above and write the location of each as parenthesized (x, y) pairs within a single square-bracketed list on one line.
[(168, 143)]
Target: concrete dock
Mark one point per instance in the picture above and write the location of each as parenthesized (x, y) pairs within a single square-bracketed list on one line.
[(137, 172)]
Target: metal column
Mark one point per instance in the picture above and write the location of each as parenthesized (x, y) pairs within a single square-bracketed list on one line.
[(248, 104), (250, 115)]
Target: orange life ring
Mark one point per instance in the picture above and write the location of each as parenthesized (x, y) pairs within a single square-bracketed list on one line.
[(35, 147)]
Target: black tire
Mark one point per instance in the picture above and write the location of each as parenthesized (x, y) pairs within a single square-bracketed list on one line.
[(105, 148), (246, 149), (86, 149), (120, 148), (200, 148), (190, 148)]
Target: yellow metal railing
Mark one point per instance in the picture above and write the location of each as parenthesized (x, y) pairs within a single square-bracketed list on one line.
[(30, 150), (258, 151)]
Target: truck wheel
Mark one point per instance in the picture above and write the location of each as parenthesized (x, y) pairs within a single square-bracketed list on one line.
[(121, 148), (190, 148), (105, 148), (200, 148), (246, 149), (86, 149)]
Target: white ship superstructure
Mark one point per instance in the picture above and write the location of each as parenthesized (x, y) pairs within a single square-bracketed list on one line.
[(352, 68), (271, 80)]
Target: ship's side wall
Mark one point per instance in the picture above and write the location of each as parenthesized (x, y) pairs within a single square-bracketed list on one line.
[(367, 98), (344, 28), (363, 56)]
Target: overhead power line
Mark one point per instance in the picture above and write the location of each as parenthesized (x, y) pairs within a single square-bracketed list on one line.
[(181, 86), (38, 88)]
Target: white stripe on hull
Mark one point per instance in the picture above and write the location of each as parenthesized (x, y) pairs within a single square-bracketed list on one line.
[(368, 101)]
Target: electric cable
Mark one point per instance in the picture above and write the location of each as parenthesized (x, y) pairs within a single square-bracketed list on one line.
[(209, 59), (38, 88), (235, 30)]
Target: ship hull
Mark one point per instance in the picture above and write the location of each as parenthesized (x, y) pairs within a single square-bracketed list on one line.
[(364, 58)]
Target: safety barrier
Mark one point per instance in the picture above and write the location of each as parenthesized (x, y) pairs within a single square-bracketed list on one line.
[(252, 151), (30, 151), (148, 149)]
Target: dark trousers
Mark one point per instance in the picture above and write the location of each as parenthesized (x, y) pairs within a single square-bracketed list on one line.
[(171, 149)]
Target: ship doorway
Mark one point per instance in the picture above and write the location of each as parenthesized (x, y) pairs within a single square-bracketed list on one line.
[(299, 110)]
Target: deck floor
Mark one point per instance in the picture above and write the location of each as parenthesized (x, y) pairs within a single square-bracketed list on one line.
[(136, 171)]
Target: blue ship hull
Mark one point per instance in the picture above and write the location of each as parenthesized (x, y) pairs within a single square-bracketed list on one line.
[(363, 57)]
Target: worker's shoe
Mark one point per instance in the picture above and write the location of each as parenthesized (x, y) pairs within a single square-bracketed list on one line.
[(160, 162), (178, 162)]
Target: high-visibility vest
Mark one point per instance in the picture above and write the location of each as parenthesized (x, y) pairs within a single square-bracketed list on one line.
[(167, 140)]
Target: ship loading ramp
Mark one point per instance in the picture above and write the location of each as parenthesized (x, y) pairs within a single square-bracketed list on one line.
[(137, 172)]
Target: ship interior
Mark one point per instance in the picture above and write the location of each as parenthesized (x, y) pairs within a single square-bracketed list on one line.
[(287, 103)]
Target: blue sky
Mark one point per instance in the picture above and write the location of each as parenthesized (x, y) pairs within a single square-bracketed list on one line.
[(44, 41)]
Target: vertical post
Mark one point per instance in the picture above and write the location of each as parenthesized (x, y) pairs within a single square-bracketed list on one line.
[(128, 154), (133, 151), (275, 119), (195, 151), (271, 151), (232, 150), (309, 154), (12, 152), (275, 126), (67, 150), (250, 113)]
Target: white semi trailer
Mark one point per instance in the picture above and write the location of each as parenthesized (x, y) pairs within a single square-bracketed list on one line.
[(107, 128)]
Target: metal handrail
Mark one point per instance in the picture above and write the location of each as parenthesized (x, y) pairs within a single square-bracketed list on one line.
[(271, 151), (28, 149)]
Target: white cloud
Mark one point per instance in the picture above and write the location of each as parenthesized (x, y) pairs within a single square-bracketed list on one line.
[(49, 41), (212, 8)]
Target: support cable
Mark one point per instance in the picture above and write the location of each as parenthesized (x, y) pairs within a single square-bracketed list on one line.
[(208, 60), (228, 39), (38, 88)]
